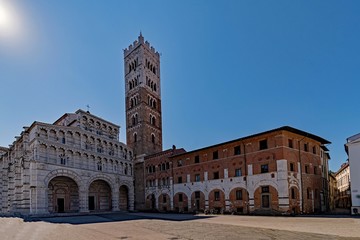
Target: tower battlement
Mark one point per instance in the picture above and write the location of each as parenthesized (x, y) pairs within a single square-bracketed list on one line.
[(138, 42)]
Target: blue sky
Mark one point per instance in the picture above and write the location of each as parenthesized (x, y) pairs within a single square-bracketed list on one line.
[(228, 68)]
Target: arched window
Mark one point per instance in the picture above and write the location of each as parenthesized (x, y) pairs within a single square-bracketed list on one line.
[(152, 138), (155, 87), (135, 137), (153, 120), (133, 120), (154, 104)]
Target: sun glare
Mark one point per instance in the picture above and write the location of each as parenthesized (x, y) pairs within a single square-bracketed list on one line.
[(4, 17), (8, 22)]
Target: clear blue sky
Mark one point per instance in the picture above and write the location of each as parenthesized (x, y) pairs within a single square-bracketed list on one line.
[(228, 68)]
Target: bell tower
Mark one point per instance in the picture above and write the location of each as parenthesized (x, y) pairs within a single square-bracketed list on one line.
[(143, 98)]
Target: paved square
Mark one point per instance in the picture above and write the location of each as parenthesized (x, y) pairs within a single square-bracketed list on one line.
[(179, 226)]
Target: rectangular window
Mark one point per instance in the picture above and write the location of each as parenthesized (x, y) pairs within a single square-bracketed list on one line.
[(180, 197), (265, 189), (308, 193), (216, 175), (197, 177), (292, 167), (215, 155), (179, 163), (264, 168), (237, 150), (306, 149), (238, 194), (238, 172), (316, 194), (197, 194), (314, 150), (293, 194), (217, 196), (263, 144), (306, 168), (179, 179), (197, 159), (290, 141), (315, 170)]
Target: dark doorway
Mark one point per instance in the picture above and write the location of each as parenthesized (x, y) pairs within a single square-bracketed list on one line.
[(61, 205), (197, 204), (91, 203), (153, 201)]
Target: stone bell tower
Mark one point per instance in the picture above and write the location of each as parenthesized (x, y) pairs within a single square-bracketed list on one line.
[(143, 98)]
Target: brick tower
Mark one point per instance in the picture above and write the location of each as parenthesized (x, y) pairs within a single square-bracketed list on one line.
[(143, 98)]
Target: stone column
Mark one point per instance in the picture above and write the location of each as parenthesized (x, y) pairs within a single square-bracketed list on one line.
[(83, 199), (115, 198)]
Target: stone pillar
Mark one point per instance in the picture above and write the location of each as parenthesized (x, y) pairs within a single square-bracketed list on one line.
[(283, 185), (131, 199), (206, 199), (171, 195), (227, 201), (115, 198), (83, 199)]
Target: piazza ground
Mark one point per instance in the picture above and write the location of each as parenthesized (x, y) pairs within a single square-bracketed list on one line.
[(180, 226)]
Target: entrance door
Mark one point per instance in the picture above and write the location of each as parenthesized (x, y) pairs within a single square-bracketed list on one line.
[(91, 203), (197, 204), (61, 205)]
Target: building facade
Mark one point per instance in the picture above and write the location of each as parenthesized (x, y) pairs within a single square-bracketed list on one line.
[(343, 197), (352, 148), (76, 164), (278, 171)]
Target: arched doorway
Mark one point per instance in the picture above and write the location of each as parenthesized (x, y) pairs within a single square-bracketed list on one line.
[(63, 195), (198, 201), (150, 202), (124, 198), (99, 196), (239, 200)]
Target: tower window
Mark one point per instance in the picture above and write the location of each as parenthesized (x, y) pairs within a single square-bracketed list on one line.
[(152, 138), (135, 137)]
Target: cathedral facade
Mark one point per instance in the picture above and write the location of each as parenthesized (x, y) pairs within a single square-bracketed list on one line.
[(75, 165)]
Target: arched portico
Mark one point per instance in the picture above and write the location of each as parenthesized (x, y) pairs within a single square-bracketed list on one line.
[(99, 196), (63, 195)]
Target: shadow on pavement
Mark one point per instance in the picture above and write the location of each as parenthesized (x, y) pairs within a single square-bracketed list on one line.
[(115, 217)]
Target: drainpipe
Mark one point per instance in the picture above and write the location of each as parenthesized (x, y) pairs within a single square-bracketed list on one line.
[(301, 178), (246, 180)]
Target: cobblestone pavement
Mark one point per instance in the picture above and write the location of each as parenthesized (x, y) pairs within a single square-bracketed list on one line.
[(179, 226)]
